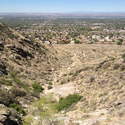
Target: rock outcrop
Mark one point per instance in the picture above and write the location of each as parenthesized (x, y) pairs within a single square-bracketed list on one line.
[(9, 117)]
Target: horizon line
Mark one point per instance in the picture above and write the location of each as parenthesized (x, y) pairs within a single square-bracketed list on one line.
[(75, 12)]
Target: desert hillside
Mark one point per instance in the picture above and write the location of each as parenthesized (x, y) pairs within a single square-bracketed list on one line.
[(70, 84), (95, 72), (26, 67)]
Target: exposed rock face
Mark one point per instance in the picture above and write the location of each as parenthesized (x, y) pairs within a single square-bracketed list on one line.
[(99, 77), (3, 69), (1, 46), (21, 52), (31, 57), (8, 117)]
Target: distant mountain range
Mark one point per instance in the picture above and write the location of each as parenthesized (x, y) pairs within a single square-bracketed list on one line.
[(75, 14)]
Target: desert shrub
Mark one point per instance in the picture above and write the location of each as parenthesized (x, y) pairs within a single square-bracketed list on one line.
[(16, 79), (50, 83), (12, 36), (77, 41), (37, 87), (5, 81), (119, 41), (116, 66), (18, 108), (18, 92), (46, 106), (123, 57), (65, 103), (122, 67), (28, 120), (6, 98)]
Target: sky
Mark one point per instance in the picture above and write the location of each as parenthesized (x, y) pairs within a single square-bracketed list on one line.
[(62, 6)]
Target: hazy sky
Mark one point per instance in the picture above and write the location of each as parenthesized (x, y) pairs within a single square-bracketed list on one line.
[(62, 5)]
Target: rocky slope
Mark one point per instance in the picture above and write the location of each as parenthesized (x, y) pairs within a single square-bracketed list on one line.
[(95, 73), (60, 85), (25, 70)]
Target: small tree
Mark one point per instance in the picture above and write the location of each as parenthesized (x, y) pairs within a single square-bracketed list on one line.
[(77, 41)]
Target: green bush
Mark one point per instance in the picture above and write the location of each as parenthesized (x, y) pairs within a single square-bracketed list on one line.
[(37, 87), (65, 103), (119, 41), (77, 41), (18, 108)]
